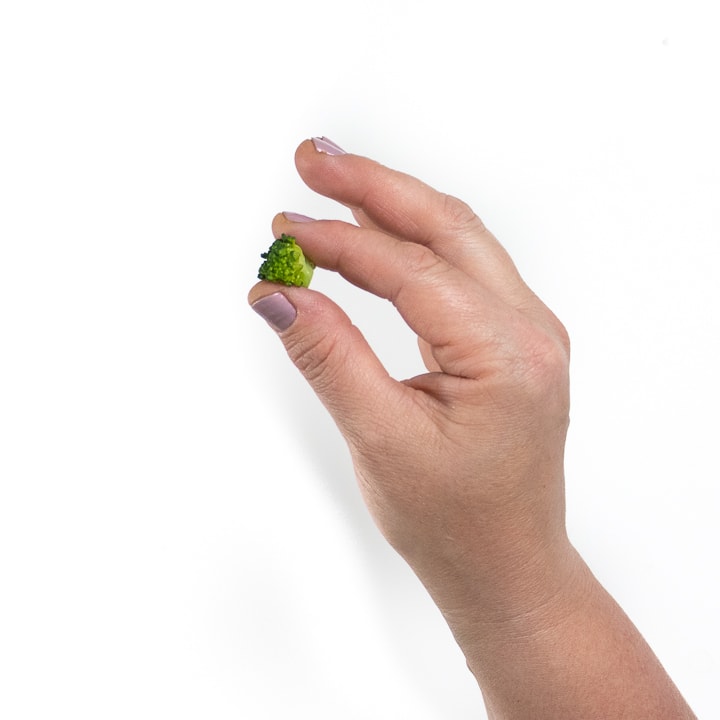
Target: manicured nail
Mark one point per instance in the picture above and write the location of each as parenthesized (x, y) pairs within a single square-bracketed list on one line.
[(327, 146), (297, 217), (276, 310)]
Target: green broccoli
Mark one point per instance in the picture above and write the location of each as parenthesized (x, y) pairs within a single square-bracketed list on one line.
[(286, 263)]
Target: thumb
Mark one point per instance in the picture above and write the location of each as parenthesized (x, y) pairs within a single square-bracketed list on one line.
[(330, 352)]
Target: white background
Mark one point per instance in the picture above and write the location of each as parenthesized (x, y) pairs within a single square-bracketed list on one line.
[(180, 532)]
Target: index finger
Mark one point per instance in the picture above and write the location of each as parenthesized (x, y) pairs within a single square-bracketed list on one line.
[(454, 314)]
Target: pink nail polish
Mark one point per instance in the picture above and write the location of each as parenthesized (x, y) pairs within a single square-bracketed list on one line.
[(276, 310), (297, 217), (327, 146)]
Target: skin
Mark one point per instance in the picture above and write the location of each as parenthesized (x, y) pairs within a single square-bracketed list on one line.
[(463, 469)]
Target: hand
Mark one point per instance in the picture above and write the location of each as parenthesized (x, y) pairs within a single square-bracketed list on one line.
[(462, 467)]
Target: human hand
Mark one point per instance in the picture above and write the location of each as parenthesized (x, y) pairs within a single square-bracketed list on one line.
[(462, 467)]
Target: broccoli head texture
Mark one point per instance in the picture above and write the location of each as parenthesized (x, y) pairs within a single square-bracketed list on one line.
[(286, 263)]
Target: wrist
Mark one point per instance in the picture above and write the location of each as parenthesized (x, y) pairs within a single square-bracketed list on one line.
[(563, 650), (540, 590)]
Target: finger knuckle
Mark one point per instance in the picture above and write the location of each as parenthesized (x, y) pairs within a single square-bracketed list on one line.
[(541, 365), (317, 355), (459, 216), (421, 261)]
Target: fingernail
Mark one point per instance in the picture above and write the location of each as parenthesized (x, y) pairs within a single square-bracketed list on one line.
[(297, 217), (327, 146), (276, 310)]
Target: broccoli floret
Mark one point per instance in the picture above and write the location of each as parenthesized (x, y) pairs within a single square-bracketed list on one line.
[(286, 263)]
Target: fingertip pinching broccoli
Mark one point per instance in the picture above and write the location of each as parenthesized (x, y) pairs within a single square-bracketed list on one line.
[(286, 263)]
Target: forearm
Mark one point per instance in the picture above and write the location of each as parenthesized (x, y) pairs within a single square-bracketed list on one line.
[(576, 656), (462, 467)]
